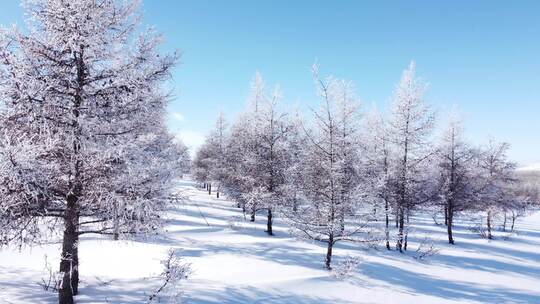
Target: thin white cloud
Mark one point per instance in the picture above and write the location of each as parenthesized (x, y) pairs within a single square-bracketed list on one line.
[(192, 139), (178, 116)]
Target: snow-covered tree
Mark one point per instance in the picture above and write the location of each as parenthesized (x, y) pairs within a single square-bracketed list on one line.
[(331, 176), (210, 167), (456, 169), (496, 181), (274, 128), (261, 134), (202, 163), (236, 183), (296, 141), (377, 153), (526, 196), (83, 142), (410, 127), (219, 137)]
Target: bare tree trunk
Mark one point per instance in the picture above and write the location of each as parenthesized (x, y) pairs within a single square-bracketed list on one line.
[(401, 220), (75, 271), (386, 228), (406, 231), (253, 210), (490, 236), (446, 215), (514, 216), (342, 223), (328, 258), (116, 232), (295, 202), (69, 257), (504, 222), (269, 222), (396, 218), (450, 222), (209, 188)]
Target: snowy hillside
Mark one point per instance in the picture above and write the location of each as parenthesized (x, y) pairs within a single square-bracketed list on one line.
[(234, 261)]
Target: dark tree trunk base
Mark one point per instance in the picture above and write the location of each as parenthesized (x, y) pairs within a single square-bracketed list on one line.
[(69, 262), (269, 222), (449, 224), (489, 235), (328, 258)]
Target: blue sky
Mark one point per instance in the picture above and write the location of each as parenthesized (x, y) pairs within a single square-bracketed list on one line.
[(483, 56)]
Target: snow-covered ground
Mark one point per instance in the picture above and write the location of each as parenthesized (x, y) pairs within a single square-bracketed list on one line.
[(233, 261)]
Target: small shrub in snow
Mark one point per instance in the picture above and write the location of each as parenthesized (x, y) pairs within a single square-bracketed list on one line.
[(508, 235), (426, 249), (480, 230), (345, 268), (174, 272), (102, 282), (236, 223), (52, 282)]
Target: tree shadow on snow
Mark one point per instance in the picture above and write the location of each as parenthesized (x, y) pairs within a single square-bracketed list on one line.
[(255, 295), (418, 283)]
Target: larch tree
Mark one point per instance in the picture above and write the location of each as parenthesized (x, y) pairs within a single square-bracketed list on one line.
[(274, 129), (218, 171), (330, 182), (456, 171), (83, 142), (235, 183), (526, 196), (296, 141), (496, 181), (377, 155), (244, 151), (410, 127), (240, 153), (271, 128), (210, 157), (257, 153), (202, 163)]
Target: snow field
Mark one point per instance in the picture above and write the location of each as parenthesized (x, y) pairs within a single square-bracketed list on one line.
[(234, 261)]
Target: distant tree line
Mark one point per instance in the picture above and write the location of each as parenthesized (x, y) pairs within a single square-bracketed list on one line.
[(332, 175)]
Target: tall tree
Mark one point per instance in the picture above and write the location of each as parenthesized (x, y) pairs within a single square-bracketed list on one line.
[(456, 166), (82, 118), (219, 135), (257, 153), (410, 127), (296, 141), (210, 164), (330, 168), (245, 175), (377, 163), (497, 178), (274, 129), (202, 163)]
